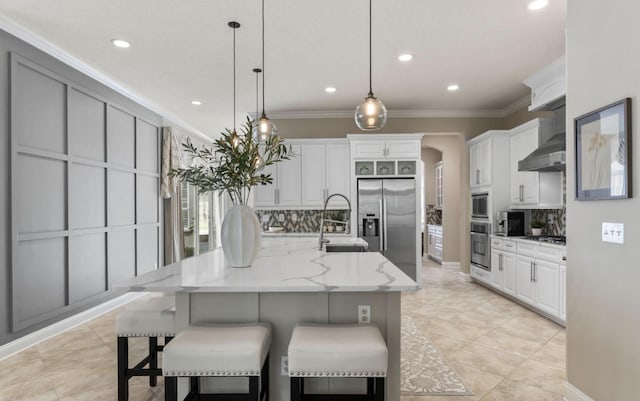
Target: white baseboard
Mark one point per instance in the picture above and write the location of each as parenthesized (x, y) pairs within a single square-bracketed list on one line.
[(573, 394), (466, 277), (45, 333), (451, 265)]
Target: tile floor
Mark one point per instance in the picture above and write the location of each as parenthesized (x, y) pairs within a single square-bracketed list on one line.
[(502, 351)]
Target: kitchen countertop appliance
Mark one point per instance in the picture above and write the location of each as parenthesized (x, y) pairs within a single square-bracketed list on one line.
[(387, 219), (510, 224)]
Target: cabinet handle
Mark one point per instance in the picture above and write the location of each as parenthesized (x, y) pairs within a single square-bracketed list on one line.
[(500, 264), (477, 176), (531, 272), (521, 193), (535, 278), (277, 196)]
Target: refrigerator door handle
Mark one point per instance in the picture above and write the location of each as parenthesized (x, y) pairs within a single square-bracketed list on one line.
[(384, 224), (382, 234)]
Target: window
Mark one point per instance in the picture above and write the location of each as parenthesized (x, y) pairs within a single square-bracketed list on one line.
[(201, 220)]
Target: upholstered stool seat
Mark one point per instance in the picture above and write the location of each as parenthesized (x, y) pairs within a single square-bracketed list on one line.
[(214, 350), (153, 318), (317, 350)]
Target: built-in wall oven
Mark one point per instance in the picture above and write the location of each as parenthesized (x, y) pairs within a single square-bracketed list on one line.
[(480, 245), (480, 205)]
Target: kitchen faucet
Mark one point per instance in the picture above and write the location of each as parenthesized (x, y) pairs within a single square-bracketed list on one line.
[(321, 240)]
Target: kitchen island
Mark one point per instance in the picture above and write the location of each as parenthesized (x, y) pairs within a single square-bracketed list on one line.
[(290, 281)]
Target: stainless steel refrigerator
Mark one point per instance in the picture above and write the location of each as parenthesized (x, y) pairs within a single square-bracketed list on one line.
[(387, 219)]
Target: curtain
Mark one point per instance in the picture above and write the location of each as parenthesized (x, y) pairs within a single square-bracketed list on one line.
[(170, 191)]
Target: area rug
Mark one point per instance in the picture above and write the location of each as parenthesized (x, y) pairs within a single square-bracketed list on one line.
[(423, 371)]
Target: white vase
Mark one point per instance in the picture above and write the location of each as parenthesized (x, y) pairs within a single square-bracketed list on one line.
[(536, 231), (240, 236)]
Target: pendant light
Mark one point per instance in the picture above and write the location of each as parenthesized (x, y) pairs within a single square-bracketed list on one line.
[(266, 128), (371, 114), (234, 139)]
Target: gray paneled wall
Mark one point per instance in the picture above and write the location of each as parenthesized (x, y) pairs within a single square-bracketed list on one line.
[(85, 194)]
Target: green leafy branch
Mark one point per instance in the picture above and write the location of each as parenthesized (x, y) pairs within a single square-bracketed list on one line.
[(233, 164)]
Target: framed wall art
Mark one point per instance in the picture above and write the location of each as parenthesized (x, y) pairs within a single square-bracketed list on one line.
[(603, 152)]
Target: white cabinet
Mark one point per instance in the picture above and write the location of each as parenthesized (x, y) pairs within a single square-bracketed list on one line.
[(532, 189), (438, 169), (547, 85), (539, 276), (393, 146), (533, 273), (324, 172), (503, 265), (480, 163), (480, 274), (287, 180), (434, 242)]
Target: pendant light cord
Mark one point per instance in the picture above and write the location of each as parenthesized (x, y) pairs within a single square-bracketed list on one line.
[(370, 62), (234, 79), (263, 73)]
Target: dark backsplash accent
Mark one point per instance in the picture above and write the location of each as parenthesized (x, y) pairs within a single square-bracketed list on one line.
[(559, 226), (296, 221), (434, 216)]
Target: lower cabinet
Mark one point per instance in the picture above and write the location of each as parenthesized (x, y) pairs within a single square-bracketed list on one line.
[(533, 274), (503, 271), (434, 242)]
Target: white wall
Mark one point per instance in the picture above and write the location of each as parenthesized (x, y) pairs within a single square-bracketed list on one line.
[(603, 303)]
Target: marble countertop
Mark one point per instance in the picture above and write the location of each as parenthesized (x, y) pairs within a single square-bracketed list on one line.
[(283, 264)]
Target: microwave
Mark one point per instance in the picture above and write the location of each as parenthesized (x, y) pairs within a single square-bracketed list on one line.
[(510, 224), (480, 205)]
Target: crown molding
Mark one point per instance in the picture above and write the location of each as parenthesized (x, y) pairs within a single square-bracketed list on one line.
[(54, 51), (295, 115), (517, 105)]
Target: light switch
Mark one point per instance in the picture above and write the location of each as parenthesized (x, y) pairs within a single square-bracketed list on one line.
[(613, 232)]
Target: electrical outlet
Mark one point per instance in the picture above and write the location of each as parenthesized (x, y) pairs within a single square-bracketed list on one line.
[(284, 366), (265, 218), (613, 232), (281, 217), (364, 314)]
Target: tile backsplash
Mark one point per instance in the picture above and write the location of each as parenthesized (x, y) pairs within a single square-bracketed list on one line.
[(297, 221), (434, 216), (559, 220)]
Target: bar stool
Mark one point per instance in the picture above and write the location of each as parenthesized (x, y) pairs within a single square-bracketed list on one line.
[(152, 318), (317, 350), (217, 350)]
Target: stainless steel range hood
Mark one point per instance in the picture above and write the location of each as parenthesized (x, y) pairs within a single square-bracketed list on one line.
[(550, 156)]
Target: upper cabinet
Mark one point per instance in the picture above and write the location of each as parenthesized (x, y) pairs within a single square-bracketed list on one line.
[(319, 169), (547, 85), (287, 180), (480, 156), (531, 189), (325, 172), (439, 201), (378, 146)]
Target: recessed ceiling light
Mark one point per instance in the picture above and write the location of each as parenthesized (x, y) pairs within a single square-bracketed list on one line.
[(121, 43), (405, 57), (330, 89), (196, 102), (453, 87), (538, 4)]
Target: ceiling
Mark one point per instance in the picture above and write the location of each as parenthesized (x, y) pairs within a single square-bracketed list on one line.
[(182, 50)]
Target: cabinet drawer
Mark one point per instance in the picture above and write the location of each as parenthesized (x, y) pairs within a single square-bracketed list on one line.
[(541, 252), (502, 244), (480, 274), (526, 249)]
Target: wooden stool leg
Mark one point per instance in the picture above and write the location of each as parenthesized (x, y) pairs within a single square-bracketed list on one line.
[(170, 388), (123, 365), (153, 361), (380, 394)]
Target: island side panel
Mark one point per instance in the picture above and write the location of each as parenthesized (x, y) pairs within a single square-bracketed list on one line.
[(284, 311), (394, 320)]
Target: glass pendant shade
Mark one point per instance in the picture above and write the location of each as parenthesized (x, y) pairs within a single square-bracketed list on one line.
[(265, 129), (371, 114)]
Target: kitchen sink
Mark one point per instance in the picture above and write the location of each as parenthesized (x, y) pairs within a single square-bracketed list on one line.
[(345, 248)]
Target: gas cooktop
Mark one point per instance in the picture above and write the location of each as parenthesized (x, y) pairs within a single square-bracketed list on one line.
[(550, 239)]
